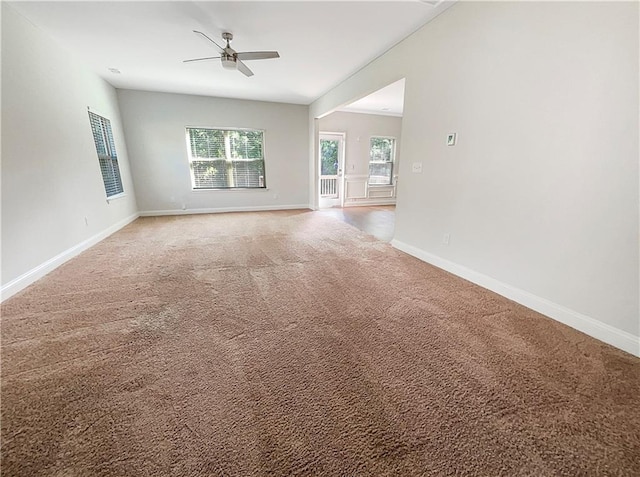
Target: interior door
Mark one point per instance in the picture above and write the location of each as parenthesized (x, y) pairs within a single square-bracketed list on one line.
[(331, 169)]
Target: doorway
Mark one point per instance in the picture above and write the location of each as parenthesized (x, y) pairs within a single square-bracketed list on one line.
[(331, 156)]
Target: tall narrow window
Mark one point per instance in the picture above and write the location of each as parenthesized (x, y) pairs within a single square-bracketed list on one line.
[(103, 138), (226, 158), (381, 155)]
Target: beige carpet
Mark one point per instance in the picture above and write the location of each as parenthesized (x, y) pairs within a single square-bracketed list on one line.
[(289, 343)]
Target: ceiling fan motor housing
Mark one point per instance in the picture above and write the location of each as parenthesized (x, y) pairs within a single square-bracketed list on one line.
[(228, 62), (228, 59)]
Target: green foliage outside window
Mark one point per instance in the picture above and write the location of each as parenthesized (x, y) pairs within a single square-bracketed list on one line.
[(381, 152), (328, 157)]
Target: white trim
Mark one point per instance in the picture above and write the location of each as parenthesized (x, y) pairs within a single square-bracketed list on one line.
[(371, 112), (233, 189), (99, 113), (26, 279), (373, 201), (342, 166), (218, 210), (590, 326), (116, 196)]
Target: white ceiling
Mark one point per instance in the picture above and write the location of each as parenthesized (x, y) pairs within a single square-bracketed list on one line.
[(321, 43), (388, 101)]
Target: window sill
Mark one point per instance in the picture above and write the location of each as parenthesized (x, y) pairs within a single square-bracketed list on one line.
[(115, 197), (238, 189)]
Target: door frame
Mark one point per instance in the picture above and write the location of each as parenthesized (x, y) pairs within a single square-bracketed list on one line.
[(342, 137)]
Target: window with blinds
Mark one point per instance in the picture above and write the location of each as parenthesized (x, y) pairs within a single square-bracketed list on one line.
[(106, 149), (226, 158), (381, 156)]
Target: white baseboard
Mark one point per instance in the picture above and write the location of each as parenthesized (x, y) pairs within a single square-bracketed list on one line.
[(590, 326), (219, 210), (369, 202), (26, 279)]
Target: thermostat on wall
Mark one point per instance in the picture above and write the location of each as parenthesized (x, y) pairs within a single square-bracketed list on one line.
[(451, 139)]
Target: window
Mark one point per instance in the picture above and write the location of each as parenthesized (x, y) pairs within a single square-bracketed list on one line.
[(381, 154), (226, 158), (103, 138)]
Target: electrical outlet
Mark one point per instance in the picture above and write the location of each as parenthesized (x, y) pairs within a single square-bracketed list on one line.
[(416, 167), (446, 238)]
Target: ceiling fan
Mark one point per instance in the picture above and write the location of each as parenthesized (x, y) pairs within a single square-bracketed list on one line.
[(233, 60)]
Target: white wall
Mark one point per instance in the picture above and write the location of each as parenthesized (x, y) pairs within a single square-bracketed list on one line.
[(51, 180), (541, 193), (155, 129)]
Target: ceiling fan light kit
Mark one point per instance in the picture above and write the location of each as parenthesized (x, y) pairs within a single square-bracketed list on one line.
[(230, 58)]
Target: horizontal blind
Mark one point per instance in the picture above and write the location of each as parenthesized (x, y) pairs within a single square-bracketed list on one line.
[(381, 149), (107, 157), (248, 173), (246, 144), (207, 143), (226, 158), (100, 139), (210, 174), (380, 173)]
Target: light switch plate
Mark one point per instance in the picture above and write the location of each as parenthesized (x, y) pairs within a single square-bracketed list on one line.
[(416, 167)]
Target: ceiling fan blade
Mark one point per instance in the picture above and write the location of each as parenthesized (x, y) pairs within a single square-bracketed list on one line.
[(257, 55), (202, 59), (206, 37), (244, 69)]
